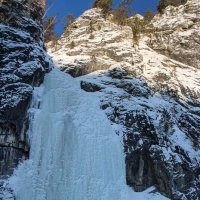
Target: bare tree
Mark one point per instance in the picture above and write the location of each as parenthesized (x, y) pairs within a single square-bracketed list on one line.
[(123, 10), (68, 20), (47, 6), (49, 28)]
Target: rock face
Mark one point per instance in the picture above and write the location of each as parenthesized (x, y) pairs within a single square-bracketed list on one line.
[(23, 64), (160, 134), (154, 125), (150, 97), (178, 33)]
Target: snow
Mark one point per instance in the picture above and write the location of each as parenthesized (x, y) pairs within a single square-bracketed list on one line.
[(155, 102), (113, 46), (74, 155), (185, 15), (180, 139), (22, 34)]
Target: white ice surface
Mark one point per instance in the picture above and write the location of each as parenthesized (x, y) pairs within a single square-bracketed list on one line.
[(75, 153)]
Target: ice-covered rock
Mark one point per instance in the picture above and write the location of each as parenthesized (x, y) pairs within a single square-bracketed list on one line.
[(23, 64)]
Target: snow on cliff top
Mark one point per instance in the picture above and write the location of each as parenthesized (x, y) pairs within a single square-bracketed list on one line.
[(94, 43)]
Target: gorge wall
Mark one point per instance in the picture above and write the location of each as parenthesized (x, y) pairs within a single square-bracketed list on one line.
[(23, 64)]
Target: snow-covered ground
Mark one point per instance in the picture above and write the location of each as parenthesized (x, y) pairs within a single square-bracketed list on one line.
[(75, 153)]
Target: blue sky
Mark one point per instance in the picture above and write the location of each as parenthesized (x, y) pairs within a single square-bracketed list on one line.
[(77, 7)]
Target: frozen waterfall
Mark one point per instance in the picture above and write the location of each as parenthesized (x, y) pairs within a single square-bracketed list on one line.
[(75, 154)]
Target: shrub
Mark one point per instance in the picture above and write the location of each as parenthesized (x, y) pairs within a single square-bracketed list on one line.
[(135, 33), (68, 23), (68, 20), (120, 16), (148, 16), (54, 42), (72, 45), (91, 26), (161, 77), (99, 27), (168, 51), (164, 3), (93, 58), (123, 10), (91, 36), (137, 26), (105, 5)]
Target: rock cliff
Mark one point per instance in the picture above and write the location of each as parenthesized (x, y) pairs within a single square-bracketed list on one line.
[(178, 33), (23, 64), (149, 90)]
